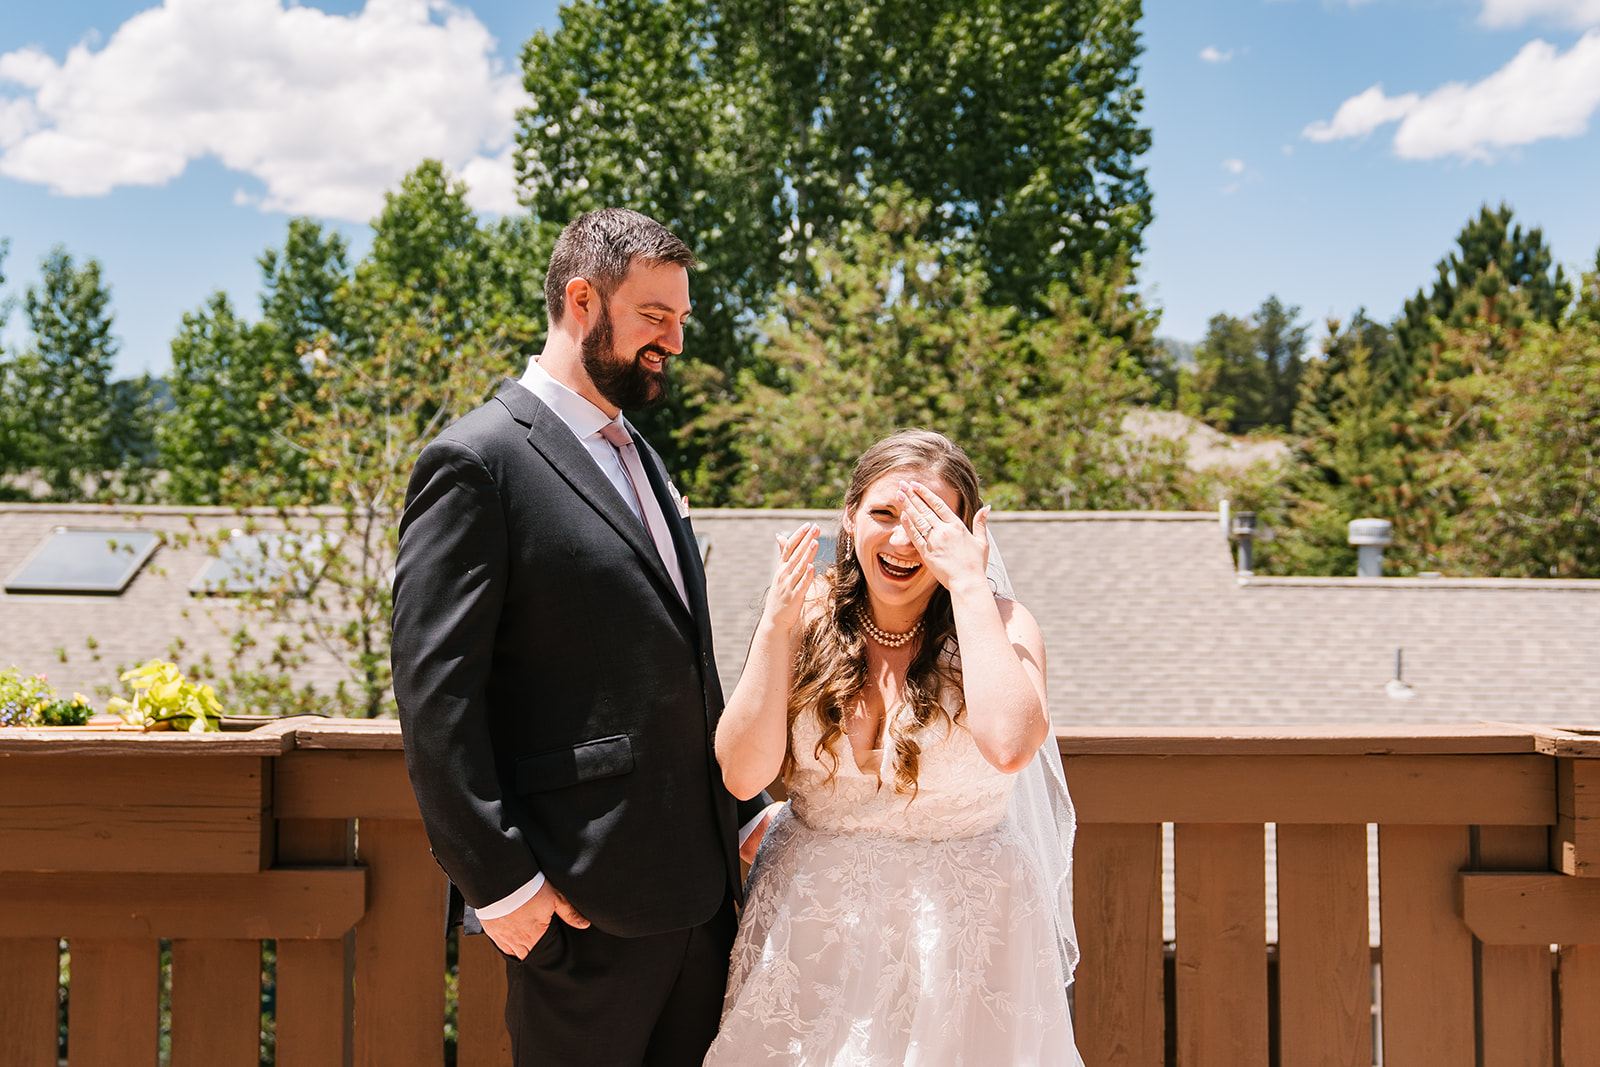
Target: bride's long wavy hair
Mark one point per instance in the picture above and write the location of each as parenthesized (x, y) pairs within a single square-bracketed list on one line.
[(830, 668)]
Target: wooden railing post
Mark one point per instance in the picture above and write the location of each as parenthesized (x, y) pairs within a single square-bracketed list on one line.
[(1324, 958), (112, 1018), (1222, 943), (399, 972), (216, 1002), (1117, 901), (28, 978), (1515, 997), (315, 1016)]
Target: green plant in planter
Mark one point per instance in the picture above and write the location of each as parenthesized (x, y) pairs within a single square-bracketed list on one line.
[(29, 701), (164, 700), (74, 712)]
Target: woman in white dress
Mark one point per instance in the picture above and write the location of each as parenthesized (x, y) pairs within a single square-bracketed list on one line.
[(905, 906)]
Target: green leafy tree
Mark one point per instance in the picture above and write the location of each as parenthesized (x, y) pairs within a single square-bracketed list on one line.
[(301, 289), (760, 130), (1228, 379), (1354, 459), (1247, 371), (1587, 307), (433, 262), (640, 104), (1387, 369), (1023, 133), (237, 386), (1525, 474), (225, 387), (390, 353), (897, 334), (1499, 272), (359, 436), (60, 387), (12, 417)]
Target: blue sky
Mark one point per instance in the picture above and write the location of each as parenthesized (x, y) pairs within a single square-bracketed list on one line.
[(1326, 151)]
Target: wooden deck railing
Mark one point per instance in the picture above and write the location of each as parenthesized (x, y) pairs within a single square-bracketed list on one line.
[(305, 832)]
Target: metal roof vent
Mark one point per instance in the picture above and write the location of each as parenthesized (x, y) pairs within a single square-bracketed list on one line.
[(1397, 687), (1369, 536), (1244, 535)]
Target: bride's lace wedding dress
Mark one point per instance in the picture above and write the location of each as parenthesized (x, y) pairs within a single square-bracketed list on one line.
[(881, 929)]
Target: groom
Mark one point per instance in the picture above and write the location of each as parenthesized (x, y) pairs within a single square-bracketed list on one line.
[(553, 668)]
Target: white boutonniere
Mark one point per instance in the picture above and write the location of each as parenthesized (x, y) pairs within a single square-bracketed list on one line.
[(678, 499)]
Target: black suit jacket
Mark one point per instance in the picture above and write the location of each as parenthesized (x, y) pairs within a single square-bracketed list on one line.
[(558, 700)]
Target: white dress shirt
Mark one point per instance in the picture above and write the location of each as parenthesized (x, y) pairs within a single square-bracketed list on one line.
[(585, 421)]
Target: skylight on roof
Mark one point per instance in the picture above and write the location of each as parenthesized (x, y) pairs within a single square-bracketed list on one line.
[(100, 562), (265, 563)]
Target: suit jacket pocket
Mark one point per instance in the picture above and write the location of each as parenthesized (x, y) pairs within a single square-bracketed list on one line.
[(604, 757)]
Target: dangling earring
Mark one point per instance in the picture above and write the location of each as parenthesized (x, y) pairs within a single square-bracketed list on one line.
[(844, 542)]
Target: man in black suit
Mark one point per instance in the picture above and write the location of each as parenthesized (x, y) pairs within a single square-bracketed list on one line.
[(553, 668)]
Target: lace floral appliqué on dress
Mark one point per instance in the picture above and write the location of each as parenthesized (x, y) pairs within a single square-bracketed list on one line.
[(881, 929)]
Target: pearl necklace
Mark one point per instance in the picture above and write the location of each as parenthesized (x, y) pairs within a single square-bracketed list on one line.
[(882, 636)]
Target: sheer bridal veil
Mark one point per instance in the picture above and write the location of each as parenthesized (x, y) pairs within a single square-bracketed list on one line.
[(1041, 809)]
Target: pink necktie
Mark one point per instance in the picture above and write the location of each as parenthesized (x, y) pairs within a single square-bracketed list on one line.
[(654, 520)]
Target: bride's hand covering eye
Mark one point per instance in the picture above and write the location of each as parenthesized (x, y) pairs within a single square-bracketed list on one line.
[(948, 549)]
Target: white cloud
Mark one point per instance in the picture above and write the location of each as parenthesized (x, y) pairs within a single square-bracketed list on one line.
[(1540, 94), (1361, 114), (326, 111), (1212, 54), (1233, 166), (1515, 12)]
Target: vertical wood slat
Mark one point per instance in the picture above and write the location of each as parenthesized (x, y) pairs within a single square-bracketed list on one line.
[(314, 1011), (1324, 960), (1515, 1003), (1221, 913), (399, 954), (28, 978), (1116, 901), (1580, 992), (216, 1002), (1428, 1009), (114, 1002), (481, 1036)]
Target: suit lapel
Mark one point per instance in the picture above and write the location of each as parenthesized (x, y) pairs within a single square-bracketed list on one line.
[(554, 440)]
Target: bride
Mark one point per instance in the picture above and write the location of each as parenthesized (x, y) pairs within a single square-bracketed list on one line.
[(910, 904)]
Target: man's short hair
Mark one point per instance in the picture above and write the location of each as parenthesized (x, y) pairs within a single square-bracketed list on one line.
[(601, 246)]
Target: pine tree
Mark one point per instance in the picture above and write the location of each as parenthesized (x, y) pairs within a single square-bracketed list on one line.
[(1500, 272), (60, 385), (1247, 371)]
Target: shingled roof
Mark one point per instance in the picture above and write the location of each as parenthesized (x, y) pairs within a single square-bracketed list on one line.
[(1146, 623), (52, 633)]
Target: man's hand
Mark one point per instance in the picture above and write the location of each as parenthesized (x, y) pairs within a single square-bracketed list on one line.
[(517, 933)]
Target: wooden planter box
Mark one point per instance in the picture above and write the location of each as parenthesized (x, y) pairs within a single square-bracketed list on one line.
[(104, 800)]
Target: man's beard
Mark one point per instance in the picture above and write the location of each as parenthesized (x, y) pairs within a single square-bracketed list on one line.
[(625, 381)]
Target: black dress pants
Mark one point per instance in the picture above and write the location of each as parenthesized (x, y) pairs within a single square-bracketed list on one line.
[(584, 998)]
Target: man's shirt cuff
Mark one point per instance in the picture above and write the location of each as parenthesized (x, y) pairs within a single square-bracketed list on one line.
[(506, 905)]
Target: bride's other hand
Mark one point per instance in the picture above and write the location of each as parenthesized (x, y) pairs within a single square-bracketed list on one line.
[(753, 733), (793, 575), (953, 554)]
